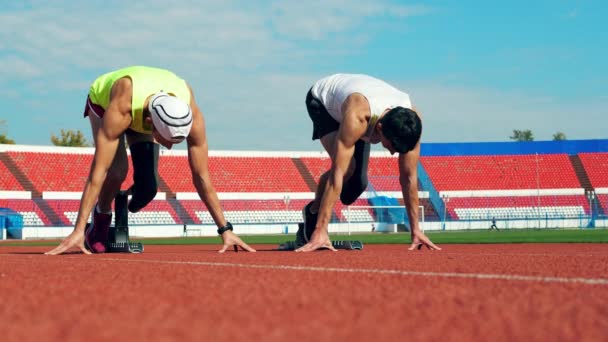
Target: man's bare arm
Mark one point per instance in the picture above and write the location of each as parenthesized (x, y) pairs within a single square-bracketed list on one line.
[(116, 120), (408, 178), (355, 109), (353, 127)]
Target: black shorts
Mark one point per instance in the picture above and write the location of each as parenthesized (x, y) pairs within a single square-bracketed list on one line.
[(322, 121)]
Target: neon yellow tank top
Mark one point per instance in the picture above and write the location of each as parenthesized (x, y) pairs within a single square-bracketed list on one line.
[(146, 81)]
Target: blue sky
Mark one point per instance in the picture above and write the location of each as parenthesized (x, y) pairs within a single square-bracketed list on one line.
[(476, 69)]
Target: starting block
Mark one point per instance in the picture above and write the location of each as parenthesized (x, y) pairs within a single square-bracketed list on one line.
[(302, 238), (348, 244), (339, 244), (119, 233)]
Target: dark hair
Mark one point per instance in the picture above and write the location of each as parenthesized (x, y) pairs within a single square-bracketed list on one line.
[(402, 127)]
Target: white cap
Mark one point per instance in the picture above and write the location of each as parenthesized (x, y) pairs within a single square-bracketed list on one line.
[(171, 116)]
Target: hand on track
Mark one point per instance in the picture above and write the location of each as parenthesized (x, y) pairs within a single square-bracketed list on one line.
[(232, 240), (419, 240), (318, 240), (75, 239)]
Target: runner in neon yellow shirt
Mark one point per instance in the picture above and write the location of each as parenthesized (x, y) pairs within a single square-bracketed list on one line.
[(147, 106)]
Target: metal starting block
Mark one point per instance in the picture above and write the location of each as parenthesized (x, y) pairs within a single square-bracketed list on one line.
[(347, 244), (118, 239), (340, 244), (130, 247)]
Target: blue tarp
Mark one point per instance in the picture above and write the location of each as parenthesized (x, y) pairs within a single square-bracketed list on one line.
[(12, 221), (387, 215)]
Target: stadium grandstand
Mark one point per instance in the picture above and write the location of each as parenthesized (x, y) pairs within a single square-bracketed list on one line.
[(461, 186)]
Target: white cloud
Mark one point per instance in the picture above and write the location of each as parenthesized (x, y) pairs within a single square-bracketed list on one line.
[(12, 67), (213, 33), (244, 60), (317, 19), (460, 114), (572, 14)]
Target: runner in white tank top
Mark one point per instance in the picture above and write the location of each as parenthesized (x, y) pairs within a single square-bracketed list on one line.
[(350, 111), (333, 90)]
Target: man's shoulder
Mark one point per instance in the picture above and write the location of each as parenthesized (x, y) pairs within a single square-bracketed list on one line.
[(357, 100), (122, 88), (123, 83), (356, 103)]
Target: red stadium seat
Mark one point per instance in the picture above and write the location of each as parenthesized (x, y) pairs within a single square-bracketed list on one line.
[(66, 172), (512, 207), (8, 182), (596, 166), (501, 172), (236, 174)]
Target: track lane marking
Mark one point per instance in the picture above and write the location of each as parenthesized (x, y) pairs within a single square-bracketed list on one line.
[(482, 276)]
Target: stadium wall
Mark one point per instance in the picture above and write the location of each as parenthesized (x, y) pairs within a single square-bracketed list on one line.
[(514, 148), (161, 231), (426, 149)]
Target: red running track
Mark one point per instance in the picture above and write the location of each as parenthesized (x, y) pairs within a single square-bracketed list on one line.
[(384, 293)]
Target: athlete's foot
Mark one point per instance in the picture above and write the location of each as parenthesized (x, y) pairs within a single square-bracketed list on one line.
[(96, 235), (415, 245), (310, 222)]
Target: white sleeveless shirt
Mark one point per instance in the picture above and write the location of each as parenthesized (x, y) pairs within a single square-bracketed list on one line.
[(333, 90)]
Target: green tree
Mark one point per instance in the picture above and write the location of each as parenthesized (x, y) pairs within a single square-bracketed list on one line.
[(524, 135), (70, 138), (558, 136), (4, 139)]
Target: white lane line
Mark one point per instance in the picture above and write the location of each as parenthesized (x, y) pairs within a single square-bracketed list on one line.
[(546, 255), (482, 276)]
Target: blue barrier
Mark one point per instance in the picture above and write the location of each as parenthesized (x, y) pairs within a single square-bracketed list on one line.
[(387, 215), (511, 147), (12, 221), (434, 198)]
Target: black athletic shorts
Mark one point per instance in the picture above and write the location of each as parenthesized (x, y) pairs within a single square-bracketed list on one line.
[(322, 122)]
